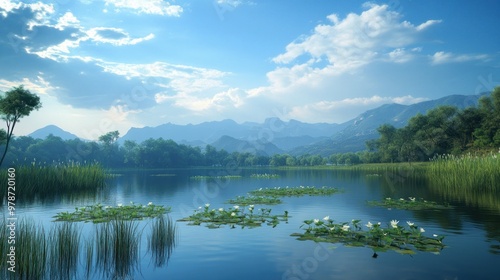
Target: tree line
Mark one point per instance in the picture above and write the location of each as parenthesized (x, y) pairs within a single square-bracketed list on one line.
[(443, 130)]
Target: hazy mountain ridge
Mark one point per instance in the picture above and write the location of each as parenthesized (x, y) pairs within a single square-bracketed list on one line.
[(278, 136)]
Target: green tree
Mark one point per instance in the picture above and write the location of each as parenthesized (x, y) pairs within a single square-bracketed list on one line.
[(14, 105)]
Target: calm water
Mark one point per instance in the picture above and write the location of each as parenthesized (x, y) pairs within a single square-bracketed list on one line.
[(472, 227)]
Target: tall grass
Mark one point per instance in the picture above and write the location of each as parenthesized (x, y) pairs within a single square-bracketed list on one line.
[(64, 250), (31, 250), (117, 248), (481, 173), (162, 239), (43, 180)]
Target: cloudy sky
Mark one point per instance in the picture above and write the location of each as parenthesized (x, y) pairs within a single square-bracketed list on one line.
[(114, 64)]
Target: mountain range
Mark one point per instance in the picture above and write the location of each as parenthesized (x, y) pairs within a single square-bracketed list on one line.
[(276, 136)]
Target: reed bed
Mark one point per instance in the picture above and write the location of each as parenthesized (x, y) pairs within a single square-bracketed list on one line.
[(117, 248), (64, 250), (39, 179), (481, 173), (32, 250), (161, 241)]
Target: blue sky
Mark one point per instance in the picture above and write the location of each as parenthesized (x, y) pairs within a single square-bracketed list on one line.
[(114, 64)]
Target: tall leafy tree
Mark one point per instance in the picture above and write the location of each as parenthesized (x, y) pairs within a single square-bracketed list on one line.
[(14, 105)]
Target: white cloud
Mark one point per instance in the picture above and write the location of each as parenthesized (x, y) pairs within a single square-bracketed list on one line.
[(157, 7), (344, 46), (115, 36), (447, 57)]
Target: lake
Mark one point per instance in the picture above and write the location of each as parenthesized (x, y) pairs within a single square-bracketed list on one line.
[(471, 227)]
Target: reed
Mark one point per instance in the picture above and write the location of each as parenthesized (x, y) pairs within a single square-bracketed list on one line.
[(117, 248), (41, 179), (64, 250), (162, 240), (32, 250), (481, 173)]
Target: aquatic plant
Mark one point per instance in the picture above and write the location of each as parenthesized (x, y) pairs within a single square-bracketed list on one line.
[(235, 216), (467, 171), (117, 248), (251, 199), (43, 180), (32, 250), (411, 203), (64, 240), (99, 213), (223, 177), (401, 239), (295, 191), (162, 239), (264, 176)]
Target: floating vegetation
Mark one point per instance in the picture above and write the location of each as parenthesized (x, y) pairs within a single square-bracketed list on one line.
[(99, 213), (264, 176), (295, 191), (162, 240), (408, 204), (225, 177), (163, 175), (403, 240), (235, 216), (249, 200)]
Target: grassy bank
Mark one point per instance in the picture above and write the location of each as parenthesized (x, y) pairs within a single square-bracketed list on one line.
[(32, 180)]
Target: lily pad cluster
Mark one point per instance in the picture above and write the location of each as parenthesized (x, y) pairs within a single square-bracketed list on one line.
[(99, 213), (411, 203), (401, 239), (264, 176), (251, 199), (235, 216), (295, 191), (223, 177)]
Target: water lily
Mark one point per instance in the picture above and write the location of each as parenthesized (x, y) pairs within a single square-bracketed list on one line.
[(412, 199), (401, 199), (369, 225), (207, 205), (326, 218), (394, 223), (435, 235), (387, 198), (316, 221), (345, 227), (410, 223), (221, 209), (236, 207), (233, 214), (150, 203), (120, 205), (422, 230)]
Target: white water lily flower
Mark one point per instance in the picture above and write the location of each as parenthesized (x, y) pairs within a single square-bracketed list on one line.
[(401, 199), (316, 221), (207, 205), (345, 227), (221, 209), (410, 223), (369, 225), (260, 189), (236, 207), (120, 205), (435, 235), (387, 198), (326, 218), (150, 203), (251, 206), (412, 199), (422, 230), (394, 223), (332, 229), (233, 214)]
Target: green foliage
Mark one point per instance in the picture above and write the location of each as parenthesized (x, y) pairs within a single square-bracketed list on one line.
[(234, 216), (99, 213), (294, 191), (264, 176), (16, 103), (404, 240), (442, 130), (408, 204), (250, 200)]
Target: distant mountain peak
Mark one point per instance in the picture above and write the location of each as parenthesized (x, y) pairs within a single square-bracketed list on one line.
[(45, 131)]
